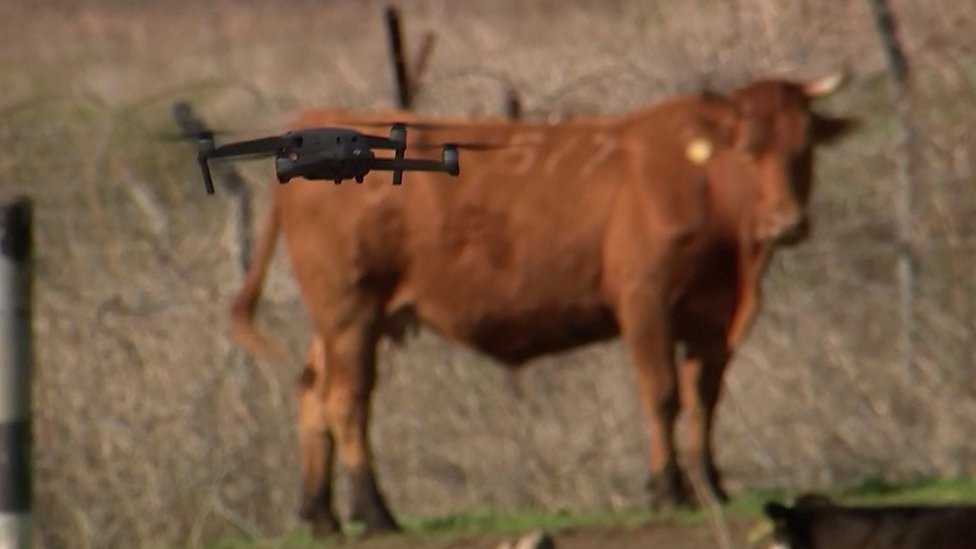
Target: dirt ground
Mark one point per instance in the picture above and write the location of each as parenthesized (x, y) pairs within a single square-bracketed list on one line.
[(676, 535)]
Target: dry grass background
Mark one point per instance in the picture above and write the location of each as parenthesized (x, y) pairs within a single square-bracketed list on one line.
[(151, 429)]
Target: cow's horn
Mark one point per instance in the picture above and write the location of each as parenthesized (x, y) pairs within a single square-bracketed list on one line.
[(825, 85)]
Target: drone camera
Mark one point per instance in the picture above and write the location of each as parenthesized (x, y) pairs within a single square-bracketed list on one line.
[(284, 168)]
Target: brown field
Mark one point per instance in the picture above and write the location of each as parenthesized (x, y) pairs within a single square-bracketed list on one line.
[(152, 430)]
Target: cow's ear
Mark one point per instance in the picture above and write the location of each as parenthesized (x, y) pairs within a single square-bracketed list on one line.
[(745, 125), (750, 130), (827, 129), (750, 135)]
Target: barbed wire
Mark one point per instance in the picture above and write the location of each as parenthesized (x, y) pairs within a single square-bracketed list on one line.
[(162, 298), (149, 246)]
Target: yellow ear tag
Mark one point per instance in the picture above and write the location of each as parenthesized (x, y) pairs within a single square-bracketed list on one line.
[(699, 151)]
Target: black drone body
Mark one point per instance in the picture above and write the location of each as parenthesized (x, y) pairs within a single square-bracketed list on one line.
[(329, 154)]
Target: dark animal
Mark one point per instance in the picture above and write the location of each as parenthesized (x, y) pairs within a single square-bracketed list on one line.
[(654, 226), (816, 522)]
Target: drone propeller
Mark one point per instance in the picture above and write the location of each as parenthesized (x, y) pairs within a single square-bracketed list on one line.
[(411, 164), (200, 135), (394, 123), (470, 146), (255, 147)]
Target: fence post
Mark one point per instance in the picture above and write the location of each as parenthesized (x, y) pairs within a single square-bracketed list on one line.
[(396, 54), (16, 359), (898, 65), (513, 106)]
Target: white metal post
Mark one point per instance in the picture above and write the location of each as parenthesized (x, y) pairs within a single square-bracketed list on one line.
[(15, 372)]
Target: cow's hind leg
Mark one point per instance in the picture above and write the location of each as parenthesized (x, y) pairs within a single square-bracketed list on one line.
[(315, 445), (351, 353), (700, 379)]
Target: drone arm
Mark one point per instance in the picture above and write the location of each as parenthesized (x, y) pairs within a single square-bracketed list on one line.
[(408, 164), (207, 177), (377, 142)]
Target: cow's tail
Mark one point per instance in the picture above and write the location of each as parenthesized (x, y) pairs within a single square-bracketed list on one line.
[(242, 328)]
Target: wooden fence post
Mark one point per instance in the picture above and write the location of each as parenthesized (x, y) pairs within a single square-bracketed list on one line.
[(898, 65), (396, 53), (513, 106), (16, 358)]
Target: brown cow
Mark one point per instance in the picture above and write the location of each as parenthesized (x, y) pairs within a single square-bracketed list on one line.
[(584, 231)]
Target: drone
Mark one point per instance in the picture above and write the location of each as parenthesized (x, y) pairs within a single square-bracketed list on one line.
[(327, 153)]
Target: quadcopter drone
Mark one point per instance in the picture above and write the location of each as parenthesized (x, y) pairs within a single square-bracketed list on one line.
[(335, 154)]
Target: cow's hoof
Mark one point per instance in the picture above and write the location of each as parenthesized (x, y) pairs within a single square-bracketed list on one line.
[(323, 524), (320, 517), (708, 488), (715, 483), (378, 521), (667, 492), (369, 506), (376, 518), (668, 503), (325, 528)]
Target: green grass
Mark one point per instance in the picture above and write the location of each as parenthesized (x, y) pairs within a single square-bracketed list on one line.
[(745, 507), (926, 491)]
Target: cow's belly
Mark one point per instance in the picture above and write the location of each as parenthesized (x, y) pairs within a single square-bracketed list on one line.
[(516, 335), (528, 306)]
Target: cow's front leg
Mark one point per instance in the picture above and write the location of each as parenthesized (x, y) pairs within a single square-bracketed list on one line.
[(352, 370), (647, 334), (315, 445), (752, 262), (700, 380)]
